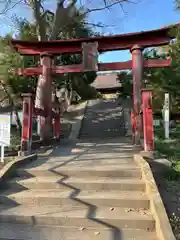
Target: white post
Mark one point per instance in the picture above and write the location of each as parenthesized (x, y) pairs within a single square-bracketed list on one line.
[(2, 153), (166, 115)]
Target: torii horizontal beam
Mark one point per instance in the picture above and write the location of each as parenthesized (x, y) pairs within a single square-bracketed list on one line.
[(101, 66), (145, 39)]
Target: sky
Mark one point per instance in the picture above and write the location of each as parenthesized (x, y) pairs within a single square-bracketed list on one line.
[(145, 15)]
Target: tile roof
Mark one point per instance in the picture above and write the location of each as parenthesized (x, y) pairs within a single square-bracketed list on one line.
[(104, 81)]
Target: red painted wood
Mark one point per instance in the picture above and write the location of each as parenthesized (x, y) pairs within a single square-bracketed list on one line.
[(156, 37), (153, 63), (40, 112), (133, 124), (90, 56), (115, 66), (26, 137), (148, 120), (137, 70), (29, 71), (68, 69), (102, 67), (45, 101), (56, 126)]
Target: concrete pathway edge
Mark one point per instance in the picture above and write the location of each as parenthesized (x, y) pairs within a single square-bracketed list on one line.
[(8, 170), (78, 121), (163, 227)]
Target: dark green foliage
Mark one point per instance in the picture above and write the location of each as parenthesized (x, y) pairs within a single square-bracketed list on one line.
[(125, 78), (166, 79)]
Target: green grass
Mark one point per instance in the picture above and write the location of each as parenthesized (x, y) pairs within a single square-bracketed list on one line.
[(170, 149)]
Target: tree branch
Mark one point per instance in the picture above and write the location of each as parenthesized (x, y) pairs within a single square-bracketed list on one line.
[(99, 25), (108, 6), (9, 5), (41, 25)]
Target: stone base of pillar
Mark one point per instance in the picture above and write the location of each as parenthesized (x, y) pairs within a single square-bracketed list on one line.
[(24, 153), (57, 139), (25, 148), (148, 154), (128, 133)]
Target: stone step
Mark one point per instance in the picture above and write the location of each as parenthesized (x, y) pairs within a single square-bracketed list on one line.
[(79, 216), (74, 196), (87, 161), (109, 156), (121, 171), (28, 232), (95, 183), (113, 133)]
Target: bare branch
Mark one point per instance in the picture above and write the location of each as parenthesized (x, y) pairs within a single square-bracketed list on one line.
[(47, 12), (105, 3), (9, 5), (99, 25), (108, 6), (36, 6)]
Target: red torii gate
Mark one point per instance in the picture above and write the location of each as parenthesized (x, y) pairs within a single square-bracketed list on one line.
[(89, 47)]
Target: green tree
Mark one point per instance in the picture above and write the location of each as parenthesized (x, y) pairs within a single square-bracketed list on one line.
[(8, 61), (125, 78), (166, 79)]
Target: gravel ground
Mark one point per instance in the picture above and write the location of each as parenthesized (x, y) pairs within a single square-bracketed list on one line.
[(169, 183), (170, 193)]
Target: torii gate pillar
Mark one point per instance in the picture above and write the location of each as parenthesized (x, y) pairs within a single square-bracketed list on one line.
[(26, 138), (137, 70), (45, 95), (148, 120)]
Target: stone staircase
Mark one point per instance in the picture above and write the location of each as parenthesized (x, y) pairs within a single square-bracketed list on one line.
[(103, 119), (88, 194), (92, 190)]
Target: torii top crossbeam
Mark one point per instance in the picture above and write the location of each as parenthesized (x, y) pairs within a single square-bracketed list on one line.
[(145, 39)]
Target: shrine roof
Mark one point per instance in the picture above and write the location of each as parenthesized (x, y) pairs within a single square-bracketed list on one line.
[(106, 81), (157, 37)]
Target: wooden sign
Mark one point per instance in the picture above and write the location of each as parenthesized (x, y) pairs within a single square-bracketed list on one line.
[(90, 56), (5, 133), (5, 129)]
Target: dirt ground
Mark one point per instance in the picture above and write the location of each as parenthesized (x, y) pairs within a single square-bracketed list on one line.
[(170, 193)]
